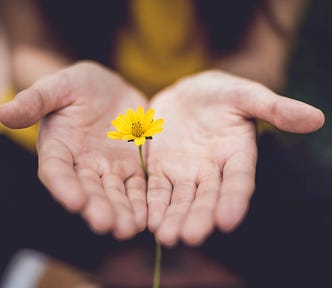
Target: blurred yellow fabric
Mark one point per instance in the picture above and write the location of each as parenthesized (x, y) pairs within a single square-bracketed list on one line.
[(162, 43), (26, 137)]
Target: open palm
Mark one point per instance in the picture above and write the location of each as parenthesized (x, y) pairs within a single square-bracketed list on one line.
[(83, 169), (202, 167)]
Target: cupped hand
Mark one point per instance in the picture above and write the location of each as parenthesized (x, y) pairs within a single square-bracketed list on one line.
[(202, 167), (84, 170)]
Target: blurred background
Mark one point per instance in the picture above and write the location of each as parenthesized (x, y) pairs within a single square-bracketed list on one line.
[(285, 241)]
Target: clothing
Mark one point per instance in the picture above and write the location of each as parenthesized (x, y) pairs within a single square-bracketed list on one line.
[(155, 49), (283, 242), (150, 49)]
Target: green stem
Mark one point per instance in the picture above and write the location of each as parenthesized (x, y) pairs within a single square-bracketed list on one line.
[(142, 161), (157, 267)]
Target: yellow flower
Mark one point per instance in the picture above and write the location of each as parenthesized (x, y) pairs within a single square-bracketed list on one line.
[(136, 127)]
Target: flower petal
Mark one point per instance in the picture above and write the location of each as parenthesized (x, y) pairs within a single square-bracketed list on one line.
[(115, 135), (153, 131), (142, 122), (155, 127), (128, 137), (158, 122), (130, 114), (121, 125), (148, 117), (139, 141), (140, 114), (125, 119)]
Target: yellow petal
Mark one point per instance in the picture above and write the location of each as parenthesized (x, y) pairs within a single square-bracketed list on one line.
[(125, 120), (140, 114), (139, 141), (130, 114), (153, 131), (115, 135), (158, 122), (121, 125), (148, 117), (155, 127), (128, 137)]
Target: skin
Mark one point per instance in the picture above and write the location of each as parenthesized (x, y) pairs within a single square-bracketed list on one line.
[(5, 66), (203, 179), (84, 170), (207, 176), (201, 168)]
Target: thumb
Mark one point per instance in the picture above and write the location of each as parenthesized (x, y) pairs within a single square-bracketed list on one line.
[(29, 106), (284, 113)]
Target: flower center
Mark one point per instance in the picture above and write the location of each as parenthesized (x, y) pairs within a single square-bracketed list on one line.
[(136, 129)]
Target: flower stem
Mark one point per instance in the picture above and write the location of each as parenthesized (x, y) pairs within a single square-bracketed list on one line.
[(142, 161), (157, 267)]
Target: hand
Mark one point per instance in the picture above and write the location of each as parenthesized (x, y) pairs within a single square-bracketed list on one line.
[(202, 167), (5, 71), (83, 169)]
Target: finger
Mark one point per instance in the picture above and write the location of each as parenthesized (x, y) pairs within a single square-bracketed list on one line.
[(158, 199), (136, 192), (29, 106), (236, 190), (182, 197), (200, 220), (124, 226), (98, 211), (284, 113), (56, 171)]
